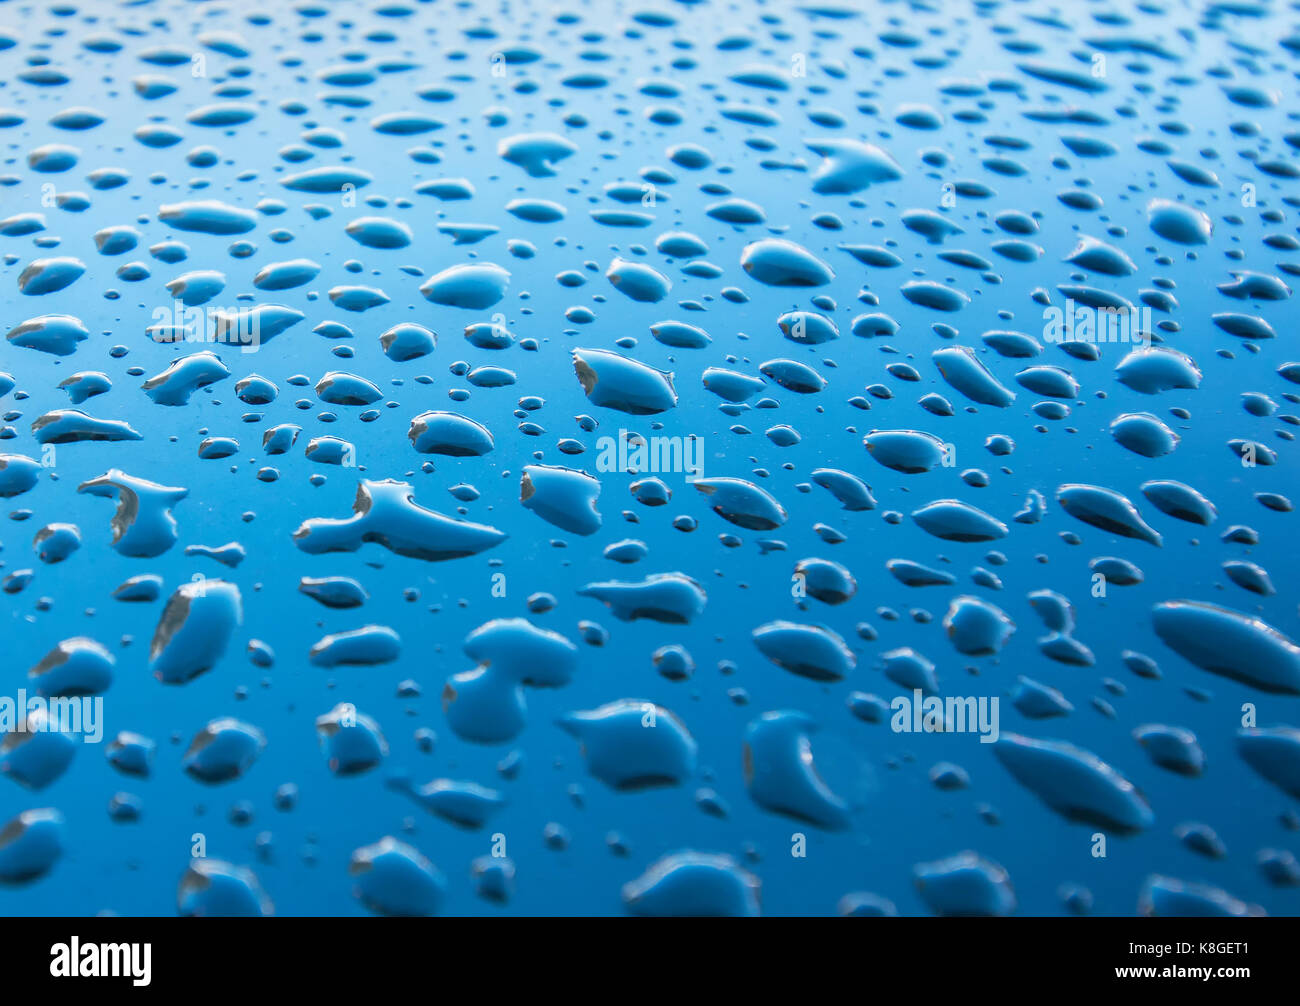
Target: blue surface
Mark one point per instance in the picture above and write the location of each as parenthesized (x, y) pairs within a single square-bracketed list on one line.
[(857, 67)]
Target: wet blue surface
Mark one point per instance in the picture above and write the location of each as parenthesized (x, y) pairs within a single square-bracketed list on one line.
[(586, 134)]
